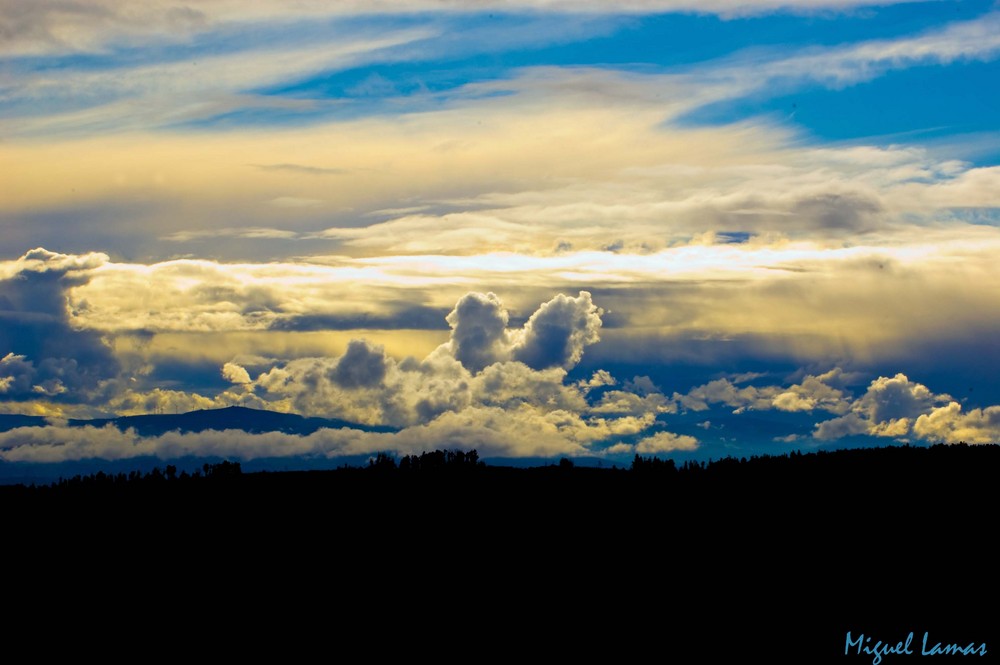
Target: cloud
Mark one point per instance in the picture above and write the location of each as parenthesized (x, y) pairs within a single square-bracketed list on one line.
[(599, 379), (528, 431), (948, 424), (45, 26), (182, 84), (295, 202), (400, 397), (642, 385), (43, 354), (791, 401), (249, 232), (493, 431), (466, 387), (303, 169), (665, 442), (725, 392), (511, 384), (637, 396), (818, 195), (895, 398), (59, 444), (558, 331), (399, 317), (891, 407), (364, 365), (799, 302), (479, 335), (813, 392), (17, 374), (657, 186), (846, 425), (853, 212), (159, 400), (72, 268), (555, 335), (625, 402), (814, 295), (235, 373), (839, 66), (888, 408)]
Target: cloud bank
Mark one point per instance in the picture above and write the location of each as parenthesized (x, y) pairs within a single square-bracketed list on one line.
[(500, 390)]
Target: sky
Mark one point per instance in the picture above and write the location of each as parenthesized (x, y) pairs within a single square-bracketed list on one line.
[(537, 228)]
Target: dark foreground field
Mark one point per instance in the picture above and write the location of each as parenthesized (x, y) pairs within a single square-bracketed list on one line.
[(762, 560)]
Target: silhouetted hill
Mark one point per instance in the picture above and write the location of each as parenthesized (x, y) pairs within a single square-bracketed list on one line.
[(9, 421), (253, 421)]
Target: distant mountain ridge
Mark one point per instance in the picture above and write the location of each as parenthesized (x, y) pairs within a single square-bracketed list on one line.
[(252, 421)]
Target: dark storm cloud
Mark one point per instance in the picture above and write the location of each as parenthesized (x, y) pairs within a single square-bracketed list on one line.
[(479, 330), (44, 355), (363, 365), (557, 332)]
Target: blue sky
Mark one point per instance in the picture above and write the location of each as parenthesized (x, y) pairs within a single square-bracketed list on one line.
[(535, 228)]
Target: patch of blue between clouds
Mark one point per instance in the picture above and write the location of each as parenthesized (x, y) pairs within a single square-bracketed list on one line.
[(916, 104), (979, 216), (733, 237)]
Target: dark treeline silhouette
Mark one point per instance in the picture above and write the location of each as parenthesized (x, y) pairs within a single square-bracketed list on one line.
[(761, 559), (937, 469), (429, 461), (99, 480)]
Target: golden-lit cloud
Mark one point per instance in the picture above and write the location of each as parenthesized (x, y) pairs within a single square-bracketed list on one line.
[(521, 432), (949, 424), (665, 442), (862, 300), (889, 408)]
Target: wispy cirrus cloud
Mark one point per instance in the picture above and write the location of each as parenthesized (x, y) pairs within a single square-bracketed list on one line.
[(176, 88), (190, 83), (78, 26), (851, 63)]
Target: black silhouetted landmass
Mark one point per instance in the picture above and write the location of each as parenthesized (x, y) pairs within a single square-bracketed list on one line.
[(764, 559), (898, 476)]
